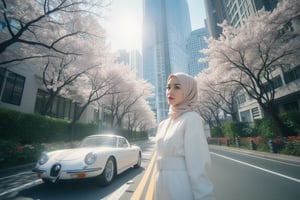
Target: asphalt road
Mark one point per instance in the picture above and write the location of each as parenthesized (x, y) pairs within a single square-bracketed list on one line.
[(247, 175), (22, 184), (236, 174)]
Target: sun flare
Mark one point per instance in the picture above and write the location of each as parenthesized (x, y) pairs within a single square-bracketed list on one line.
[(125, 33)]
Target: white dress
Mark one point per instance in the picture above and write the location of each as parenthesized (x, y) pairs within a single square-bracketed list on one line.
[(182, 158)]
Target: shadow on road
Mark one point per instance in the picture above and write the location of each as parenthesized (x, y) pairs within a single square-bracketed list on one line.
[(75, 190)]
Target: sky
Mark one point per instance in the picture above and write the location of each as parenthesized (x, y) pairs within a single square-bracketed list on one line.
[(124, 22)]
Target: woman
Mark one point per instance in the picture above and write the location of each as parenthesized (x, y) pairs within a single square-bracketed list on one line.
[(182, 150)]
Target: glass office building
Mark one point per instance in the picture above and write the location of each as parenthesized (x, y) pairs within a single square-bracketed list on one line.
[(166, 29), (195, 44)]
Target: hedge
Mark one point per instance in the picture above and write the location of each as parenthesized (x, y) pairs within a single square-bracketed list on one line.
[(34, 128)]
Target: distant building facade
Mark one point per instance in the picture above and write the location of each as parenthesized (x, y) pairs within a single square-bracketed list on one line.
[(195, 44), (166, 29), (133, 59), (233, 11), (215, 14), (21, 89), (287, 96)]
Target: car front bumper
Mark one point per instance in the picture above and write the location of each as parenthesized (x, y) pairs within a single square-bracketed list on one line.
[(64, 174)]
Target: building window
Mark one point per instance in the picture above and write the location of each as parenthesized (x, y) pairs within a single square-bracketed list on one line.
[(41, 98), (291, 106), (255, 113), (61, 107), (292, 75), (67, 110), (12, 87), (241, 99), (245, 116), (276, 83)]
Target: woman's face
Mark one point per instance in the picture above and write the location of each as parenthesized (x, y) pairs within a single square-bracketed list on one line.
[(174, 92)]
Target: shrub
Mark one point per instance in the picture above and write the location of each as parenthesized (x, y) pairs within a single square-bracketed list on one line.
[(216, 132), (291, 146), (13, 153), (265, 127), (82, 130), (235, 129), (34, 128), (292, 120)]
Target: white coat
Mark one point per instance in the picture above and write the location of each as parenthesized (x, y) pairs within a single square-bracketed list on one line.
[(182, 156)]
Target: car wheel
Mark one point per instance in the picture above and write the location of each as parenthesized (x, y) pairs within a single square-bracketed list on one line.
[(108, 174), (139, 162)]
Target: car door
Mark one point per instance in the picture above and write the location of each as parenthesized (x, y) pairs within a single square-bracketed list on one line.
[(124, 154), (131, 153)]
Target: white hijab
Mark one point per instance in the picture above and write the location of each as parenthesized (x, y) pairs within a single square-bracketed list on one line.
[(189, 87)]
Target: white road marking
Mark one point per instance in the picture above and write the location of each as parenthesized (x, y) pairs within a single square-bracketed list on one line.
[(22, 173), (36, 182), (278, 161), (119, 192), (265, 158), (256, 167)]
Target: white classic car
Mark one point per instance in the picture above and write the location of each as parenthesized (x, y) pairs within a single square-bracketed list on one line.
[(100, 156)]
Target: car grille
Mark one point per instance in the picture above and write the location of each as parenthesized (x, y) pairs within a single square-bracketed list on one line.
[(55, 170)]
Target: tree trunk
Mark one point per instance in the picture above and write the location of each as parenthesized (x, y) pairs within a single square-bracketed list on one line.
[(234, 117), (283, 130), (46, 110)]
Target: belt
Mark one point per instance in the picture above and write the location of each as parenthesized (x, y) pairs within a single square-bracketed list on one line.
[(171, 163)]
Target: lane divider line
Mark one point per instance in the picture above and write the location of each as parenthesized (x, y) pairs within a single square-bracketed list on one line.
[(139, 190), (149, 194), (260, 168)]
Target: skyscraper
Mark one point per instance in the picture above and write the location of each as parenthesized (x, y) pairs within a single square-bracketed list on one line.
[(234, 11), (195, 44), (131, 58), (166, 29), (215, 14)]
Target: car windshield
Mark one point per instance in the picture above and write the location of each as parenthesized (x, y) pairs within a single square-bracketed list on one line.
[(99, 141)]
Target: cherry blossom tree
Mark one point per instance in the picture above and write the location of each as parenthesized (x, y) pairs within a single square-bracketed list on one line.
[(38, 28), (90, 88), (208, 111), (246, 56), (55, 80), (65, 42), (215, 99), (140, 118), (59, 72), (128, 91)]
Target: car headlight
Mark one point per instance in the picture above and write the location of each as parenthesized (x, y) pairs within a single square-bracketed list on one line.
[(90, 158), (43, 159)]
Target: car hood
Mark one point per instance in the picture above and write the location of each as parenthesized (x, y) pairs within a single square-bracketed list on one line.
[(75, 154)]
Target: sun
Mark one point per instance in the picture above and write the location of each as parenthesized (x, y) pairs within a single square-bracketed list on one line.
[(125, 33), (123, 24)]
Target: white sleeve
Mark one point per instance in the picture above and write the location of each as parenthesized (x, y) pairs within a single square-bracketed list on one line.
[(197, 158)]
